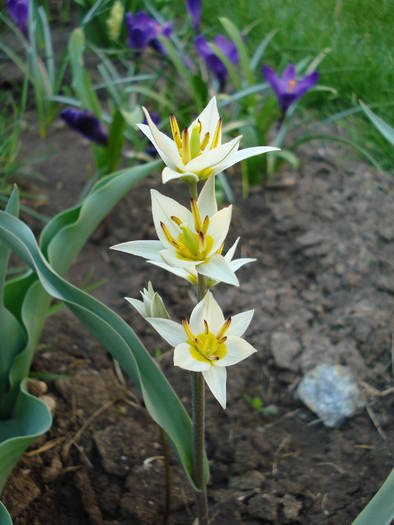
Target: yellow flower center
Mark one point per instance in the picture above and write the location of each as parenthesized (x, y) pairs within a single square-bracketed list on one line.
[(191, 245), (291, 85), (191, 145), (206, 346)]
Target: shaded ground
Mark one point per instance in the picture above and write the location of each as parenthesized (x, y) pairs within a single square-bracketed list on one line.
[(323, 292)]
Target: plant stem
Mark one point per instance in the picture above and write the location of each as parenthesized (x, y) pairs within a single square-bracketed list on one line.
[(198, 416), (193, 189)]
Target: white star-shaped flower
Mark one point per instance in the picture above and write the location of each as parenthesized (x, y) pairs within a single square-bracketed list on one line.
[(197, 152), (190, 241), (208, 343)]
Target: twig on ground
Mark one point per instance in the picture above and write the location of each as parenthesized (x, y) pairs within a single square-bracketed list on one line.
[(47, 446), (74, 440)]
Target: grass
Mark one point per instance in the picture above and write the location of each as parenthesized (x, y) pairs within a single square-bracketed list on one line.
[(359, 66)]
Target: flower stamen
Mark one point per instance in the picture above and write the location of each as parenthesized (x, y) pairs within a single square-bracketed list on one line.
[(169, 237), (216, 135)]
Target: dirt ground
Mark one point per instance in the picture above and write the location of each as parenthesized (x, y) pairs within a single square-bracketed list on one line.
[(323, 291)]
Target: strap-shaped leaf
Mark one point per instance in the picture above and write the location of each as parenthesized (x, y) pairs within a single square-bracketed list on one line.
[(116, 335), (380, 509), (30, 419), (5, 518)]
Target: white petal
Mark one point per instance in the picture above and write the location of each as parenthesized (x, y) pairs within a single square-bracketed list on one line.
[(242, 155), (218, 227), (163, 208), (209, 118), (207, 199), (138, 305), (162, 142), (215, 378), (170, 331), (213, 157), (169, 174), (236, 264), (180, 272), (170, 257), (146, 249), (230, 253), (239, 323), (237, 350), (218, 269), (168, 160), (184, 359)]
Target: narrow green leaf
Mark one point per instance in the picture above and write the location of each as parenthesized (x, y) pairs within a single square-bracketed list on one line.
[(233, 73), (236, 37), (258, 54), (81, 80), (49, 55), (116, 335), (385, 129), (380, 510), (115, 141)]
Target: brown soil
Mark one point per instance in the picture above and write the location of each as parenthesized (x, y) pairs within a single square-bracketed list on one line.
[(323, 283)]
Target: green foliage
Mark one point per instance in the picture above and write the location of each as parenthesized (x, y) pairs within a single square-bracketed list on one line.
[(25, 302), (380, 509), (120, 340)]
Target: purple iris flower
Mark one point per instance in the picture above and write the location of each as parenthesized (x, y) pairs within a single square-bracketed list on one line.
[(287, 88), (19, 12), (143, 31), (214, 63), (84, 122), (194, 8)]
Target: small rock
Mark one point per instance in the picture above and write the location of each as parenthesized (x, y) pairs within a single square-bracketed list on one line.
[(264, 506), (291, 507), (285, 349), (37, 388), (309, 239), (52, 472), (385, 284), (331, 392), (251, 480)]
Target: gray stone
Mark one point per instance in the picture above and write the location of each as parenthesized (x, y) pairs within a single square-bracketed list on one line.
[(331, 392), (285, 349)]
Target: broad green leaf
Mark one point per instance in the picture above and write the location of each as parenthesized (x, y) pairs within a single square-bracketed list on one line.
[(385, 129), (380, 510), (120, 340), (236, 37), (30, 419), (5, 518), (11, 345), (25, 297)]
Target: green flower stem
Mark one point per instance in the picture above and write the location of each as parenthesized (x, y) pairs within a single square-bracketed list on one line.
[(198, 417)]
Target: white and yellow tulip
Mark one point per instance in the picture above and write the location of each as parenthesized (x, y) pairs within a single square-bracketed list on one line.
[(208, 342), (197, 152), (191, 241)]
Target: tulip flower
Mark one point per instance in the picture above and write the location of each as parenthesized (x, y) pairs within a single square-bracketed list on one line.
[(143, 31), (19, 12), (287, 88), (191, 275), (213, 62), (197, 152), (194, 8), (189, 240), (84, 122), (152, 304), (208, 343)]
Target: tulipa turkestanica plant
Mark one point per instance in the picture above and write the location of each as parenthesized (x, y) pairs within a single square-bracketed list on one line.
[(190, 244)]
